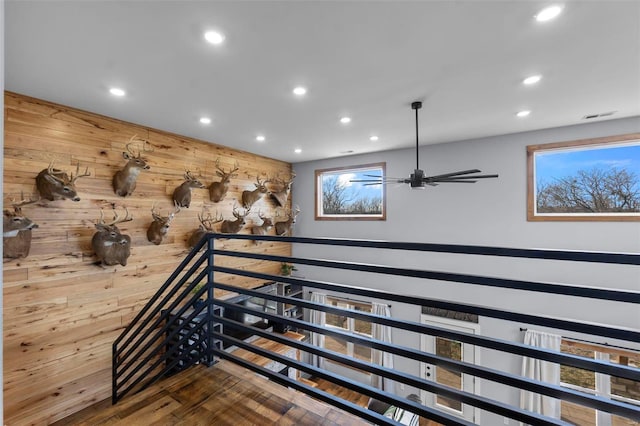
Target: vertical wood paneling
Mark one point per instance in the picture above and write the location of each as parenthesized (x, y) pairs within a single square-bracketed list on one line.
[(61, 310)]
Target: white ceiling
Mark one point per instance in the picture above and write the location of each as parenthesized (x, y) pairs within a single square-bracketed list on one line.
[(365, 59)]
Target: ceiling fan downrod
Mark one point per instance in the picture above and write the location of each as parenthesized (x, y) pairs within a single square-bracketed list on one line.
[(416, 106)]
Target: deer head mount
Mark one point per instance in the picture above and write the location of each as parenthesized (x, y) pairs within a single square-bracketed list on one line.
[(109, 244), (124, 181), (286, 227), (234, 226), (182, 194), (267, 224), (250, 197), (160, 225), (218, 190), (54, 184), (206, 225), (281, 196), (16, 231)]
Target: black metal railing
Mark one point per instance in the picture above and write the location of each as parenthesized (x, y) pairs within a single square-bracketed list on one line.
[(175, 331)]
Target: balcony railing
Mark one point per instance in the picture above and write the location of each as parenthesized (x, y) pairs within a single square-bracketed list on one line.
[(174, 331)]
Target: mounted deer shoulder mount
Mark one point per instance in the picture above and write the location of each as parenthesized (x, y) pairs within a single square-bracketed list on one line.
[(267, 224), (160, 225), (16, 231), (206, 225), (109, 244), (182, 194), (234, 226), (286, 227), (124, 181), (54, 184), (281, 196), (249, 198), (218, 190)]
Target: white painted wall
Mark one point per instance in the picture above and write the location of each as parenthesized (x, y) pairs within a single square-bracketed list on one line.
[(491, 212)]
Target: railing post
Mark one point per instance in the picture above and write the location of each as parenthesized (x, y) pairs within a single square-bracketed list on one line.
[(210, 299)]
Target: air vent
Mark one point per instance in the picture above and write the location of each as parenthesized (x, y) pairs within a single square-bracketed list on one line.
[(602, 114)]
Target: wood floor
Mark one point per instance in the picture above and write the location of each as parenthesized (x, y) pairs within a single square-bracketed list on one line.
[(224, 394)]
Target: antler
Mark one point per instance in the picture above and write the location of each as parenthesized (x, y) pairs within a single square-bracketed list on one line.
[(145, 143), (78, 175), (116, 217), (237, 214), (208, 221), (51, 171), (23, 202)]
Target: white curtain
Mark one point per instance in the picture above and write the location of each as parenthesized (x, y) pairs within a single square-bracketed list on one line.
[(384, 359), (543, 371), (318, 318)]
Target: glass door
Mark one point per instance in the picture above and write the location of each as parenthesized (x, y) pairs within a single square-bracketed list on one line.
[(455, 350)]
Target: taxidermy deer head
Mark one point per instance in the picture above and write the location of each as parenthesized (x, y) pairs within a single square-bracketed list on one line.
[(206, 225), (267, 224), (250, 197), (54, 184), (16, 231), (234, 226), (124, 181), (282, 194), (109, 244), (182, 194), (218, 190), (285, 228), (160, 225)]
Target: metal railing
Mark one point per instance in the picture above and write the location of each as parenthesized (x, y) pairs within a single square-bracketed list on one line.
[(175, 331)]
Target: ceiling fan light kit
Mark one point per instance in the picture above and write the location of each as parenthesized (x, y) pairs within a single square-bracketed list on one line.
[(418, 180)]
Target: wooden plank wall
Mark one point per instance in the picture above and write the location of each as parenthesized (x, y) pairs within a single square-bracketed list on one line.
[(62, 311)]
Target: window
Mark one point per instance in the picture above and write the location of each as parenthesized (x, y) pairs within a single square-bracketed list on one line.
[(598, 384), (592, 179), (348, 325), (339, 197)]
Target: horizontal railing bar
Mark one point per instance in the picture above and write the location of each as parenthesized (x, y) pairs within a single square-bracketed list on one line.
[(430, 386), (555, 391), (546, 254), (492, 343), (580, 327), (335, 401), (164, 301), (169, 319), (345, 382), (563, 289), (163, 344), (160, 360), (163, 316), (166, 284)]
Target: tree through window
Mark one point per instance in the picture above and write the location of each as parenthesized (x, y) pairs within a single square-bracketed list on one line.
[(338, 197)]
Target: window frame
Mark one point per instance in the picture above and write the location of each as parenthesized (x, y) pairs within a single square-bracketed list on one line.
[(319, 173), (599, 353), (351, 322), (586, 144)]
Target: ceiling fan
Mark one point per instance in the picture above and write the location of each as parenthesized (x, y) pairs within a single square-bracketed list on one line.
[(418, 180)]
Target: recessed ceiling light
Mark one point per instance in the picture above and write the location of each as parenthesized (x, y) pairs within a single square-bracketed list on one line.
[(548, 13), (300, 91), (297, 151), (260, 138), (214, 37), (205, 120), (532, 79), (345, 120), (523, 113), (117, 92), (373, 138)]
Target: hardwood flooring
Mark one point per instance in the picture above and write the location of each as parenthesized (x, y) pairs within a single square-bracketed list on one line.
[(355, 397), (224, 394)]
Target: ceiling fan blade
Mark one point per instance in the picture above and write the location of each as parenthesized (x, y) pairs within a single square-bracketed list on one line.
[(454, 181), (446, 175)]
